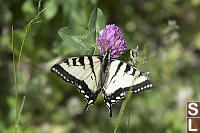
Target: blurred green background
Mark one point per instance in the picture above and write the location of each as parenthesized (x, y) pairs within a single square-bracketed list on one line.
[(168, 30)]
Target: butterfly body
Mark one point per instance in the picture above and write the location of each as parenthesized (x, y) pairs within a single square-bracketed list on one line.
[(95, 74)]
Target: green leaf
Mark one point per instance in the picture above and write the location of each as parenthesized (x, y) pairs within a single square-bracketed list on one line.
[(79, 37), (125, 56), (195, 2), (74, 11), (89, 51), (4, 42), (28, 7), (197, 40), (62, 48), (75, 33), (96, 52), (7, 14), (96, 22), (51, 10)]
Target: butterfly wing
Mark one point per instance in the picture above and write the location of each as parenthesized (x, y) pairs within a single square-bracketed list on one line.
[(122, 76), (84, 71)]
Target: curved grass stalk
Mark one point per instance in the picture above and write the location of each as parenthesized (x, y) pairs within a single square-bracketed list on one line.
[(16, 74)]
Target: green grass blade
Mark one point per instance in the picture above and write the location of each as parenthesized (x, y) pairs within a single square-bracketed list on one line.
[(20, 111), (15, 79), (14, 64)]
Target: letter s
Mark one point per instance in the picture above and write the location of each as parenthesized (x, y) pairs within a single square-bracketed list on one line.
[(193, 108)]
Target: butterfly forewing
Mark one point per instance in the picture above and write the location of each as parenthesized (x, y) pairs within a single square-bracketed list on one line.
[(121, 77), (83, 71)]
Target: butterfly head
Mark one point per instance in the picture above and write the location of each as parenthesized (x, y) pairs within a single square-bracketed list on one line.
[(107, 55), (106, 61)]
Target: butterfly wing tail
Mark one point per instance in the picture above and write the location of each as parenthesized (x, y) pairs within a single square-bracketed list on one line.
[(109, 106), (90, 100), (110, 111), (86, 107)]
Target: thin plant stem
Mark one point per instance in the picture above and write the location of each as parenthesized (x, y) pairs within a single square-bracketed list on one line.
[(123, 106), (129, 115), (122, 110), (15, 79), (39, 5)]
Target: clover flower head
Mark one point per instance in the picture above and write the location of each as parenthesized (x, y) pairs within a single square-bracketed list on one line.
[(111, 39)]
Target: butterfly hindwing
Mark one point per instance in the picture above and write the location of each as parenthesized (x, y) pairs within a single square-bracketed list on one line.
[(83, 71), (122, 76)]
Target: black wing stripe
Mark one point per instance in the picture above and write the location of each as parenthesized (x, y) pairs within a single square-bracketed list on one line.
[(134, 70), (100, 58), (81, 60), (141, 86), (119, 94), (68, 77), (74, 61), (67, 61), (118, 68), (128, 68), (92, 66)]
